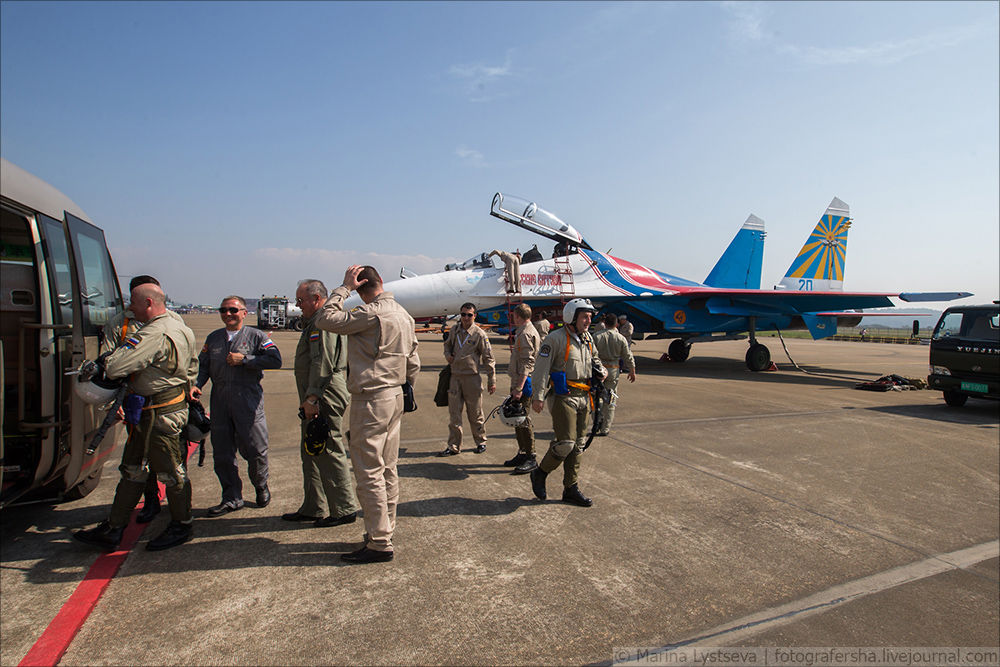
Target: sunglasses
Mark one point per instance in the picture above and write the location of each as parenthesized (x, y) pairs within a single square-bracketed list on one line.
[(231, 311), (468, 314)]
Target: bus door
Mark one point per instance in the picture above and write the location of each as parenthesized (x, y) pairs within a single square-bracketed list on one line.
[(96, 286)]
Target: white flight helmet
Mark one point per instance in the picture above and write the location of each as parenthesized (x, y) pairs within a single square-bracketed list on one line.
[(573, 307), (92, 386), (512, 413)]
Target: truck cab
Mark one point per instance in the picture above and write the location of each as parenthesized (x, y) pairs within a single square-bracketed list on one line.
[(965, 354), (58, 288)]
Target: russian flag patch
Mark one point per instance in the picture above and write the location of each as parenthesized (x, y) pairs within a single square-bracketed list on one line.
[(268, 343), (131, 342), (313, 336)]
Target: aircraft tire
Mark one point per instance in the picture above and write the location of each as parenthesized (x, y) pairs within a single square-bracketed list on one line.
[(758, 357), (679, 350), (955, 399)]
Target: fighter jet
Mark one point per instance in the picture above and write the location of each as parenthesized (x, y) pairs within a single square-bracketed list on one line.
[(727, 305)]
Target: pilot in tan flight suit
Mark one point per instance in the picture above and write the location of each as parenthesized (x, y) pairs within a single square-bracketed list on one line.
[(117, 331), (159, 357), (381, 357), (467, 349), (566, 363), (511, 269), (522, 363), (612, 349)]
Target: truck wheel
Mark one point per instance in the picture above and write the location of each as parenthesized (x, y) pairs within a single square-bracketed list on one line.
[(955, 399), (296, 324)]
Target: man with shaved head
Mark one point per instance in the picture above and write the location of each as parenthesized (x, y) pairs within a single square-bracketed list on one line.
[(116, 331), (157, 360)]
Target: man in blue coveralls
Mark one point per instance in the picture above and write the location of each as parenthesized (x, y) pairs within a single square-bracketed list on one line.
[(234, 359)]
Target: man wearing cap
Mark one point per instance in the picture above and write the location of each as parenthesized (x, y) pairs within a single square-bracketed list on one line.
[(234, 358), (566, 362), (320, 376), (612, 349), (382, 357), (467, 349), (158, 358), (522, 363), (625, 328)]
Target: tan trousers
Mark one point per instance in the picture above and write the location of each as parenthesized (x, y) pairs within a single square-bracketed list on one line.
[(512, 272), (525, 434), (375, 420), (465, 391)]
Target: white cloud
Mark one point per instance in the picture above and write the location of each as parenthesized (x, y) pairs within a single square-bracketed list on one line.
[(746, 21), (883, 53), (748, 26), (480, 80), (472, 158)]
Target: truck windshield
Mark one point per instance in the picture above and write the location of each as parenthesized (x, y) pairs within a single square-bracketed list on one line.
[(974, 325)]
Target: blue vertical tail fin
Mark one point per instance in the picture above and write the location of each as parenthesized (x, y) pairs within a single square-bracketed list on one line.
[(740, 266)]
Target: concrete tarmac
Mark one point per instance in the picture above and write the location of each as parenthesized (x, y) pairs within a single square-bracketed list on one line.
[(730, 509)]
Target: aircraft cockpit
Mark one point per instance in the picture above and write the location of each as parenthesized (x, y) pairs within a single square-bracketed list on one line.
[(528, 215), (480, 261)]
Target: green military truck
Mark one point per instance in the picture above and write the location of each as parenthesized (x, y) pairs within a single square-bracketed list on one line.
[(965, 354)]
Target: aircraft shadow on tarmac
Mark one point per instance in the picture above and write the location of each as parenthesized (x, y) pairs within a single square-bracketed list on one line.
[(723, 368)]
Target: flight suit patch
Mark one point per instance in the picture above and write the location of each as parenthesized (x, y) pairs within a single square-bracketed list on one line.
[(544, 352)]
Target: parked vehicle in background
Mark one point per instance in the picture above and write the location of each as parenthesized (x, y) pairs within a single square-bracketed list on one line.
[(58, 288), (965, 354), (277, 312)]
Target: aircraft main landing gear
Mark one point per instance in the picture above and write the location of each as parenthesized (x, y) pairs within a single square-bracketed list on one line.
[(679, 350), (758, 356)]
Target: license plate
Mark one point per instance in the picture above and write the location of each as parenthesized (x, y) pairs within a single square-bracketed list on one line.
[(974, 386)]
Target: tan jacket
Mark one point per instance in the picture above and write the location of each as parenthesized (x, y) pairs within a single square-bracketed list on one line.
[(471, 350), (124, 324), (542, 326), (162, 355), (626, 331), (381, 342), (612, 346), (522, 357)]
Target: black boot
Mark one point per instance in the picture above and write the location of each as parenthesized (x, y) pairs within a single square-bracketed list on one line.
[(175, 534), (527, 465), (538, 483), (516, 461), (573, 496), (150, 508), (103, 536)]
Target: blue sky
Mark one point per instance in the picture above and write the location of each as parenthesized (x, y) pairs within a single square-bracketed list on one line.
[(238, 147)]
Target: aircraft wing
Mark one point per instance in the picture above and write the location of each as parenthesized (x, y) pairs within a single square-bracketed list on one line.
[(685, 309)]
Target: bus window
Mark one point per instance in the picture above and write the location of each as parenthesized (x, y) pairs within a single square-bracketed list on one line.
[(57, 260), (98, 284)]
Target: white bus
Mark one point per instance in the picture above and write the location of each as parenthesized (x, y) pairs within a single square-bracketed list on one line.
[(58, 288)]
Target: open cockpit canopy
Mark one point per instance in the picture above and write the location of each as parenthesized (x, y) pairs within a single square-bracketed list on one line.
[(535, 219)]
